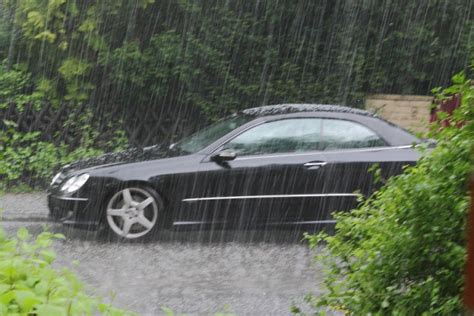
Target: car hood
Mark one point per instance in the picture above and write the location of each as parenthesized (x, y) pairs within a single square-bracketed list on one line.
[(126, 156)]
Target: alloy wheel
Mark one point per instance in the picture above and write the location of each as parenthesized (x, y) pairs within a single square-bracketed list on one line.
[(132, 213)]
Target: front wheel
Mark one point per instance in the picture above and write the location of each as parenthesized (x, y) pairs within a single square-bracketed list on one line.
[(132, 213)]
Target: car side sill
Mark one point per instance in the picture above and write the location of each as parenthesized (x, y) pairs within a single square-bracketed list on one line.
[(271, 196), (180, 223), (67, 198)]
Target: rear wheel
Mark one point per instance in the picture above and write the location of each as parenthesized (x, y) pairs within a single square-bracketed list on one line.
[(132, 213)]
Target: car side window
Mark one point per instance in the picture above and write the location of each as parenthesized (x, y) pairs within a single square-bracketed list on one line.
[(303, 134), (289, 135), (342, 134)]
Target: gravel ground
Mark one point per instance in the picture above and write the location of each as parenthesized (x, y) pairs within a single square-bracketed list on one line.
[(24, 206), (249, 273)]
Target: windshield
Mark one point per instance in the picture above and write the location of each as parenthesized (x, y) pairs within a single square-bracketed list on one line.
[(205, 137)]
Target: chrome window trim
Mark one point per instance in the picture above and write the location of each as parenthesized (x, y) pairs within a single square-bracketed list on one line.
[(327, 152), (270, 196)]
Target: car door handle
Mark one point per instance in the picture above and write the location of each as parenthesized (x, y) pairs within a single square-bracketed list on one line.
[(315, 164)]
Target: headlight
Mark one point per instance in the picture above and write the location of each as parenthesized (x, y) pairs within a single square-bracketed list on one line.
[(75, 183), (68, 183), (55, 178)]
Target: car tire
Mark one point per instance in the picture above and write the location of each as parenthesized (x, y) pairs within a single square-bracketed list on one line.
[(132, 214)]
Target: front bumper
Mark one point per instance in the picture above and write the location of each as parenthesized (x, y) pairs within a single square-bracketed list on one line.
[(74, 211)]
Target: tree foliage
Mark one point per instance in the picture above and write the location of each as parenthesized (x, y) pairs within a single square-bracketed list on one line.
[(165, 63), (155, 70)]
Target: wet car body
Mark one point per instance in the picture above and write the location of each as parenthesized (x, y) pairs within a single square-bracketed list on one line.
[(208, 187)]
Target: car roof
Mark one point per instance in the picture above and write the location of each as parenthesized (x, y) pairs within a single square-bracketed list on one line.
[(303, 107)]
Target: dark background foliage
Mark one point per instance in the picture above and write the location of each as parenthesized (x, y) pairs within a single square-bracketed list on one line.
[(159, 69)]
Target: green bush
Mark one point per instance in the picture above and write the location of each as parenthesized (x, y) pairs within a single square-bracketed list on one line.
[(30, 286), (402, 251), (30, 156), (24, 159)]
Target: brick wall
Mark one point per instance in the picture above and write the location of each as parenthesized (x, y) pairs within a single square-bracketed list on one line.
[(409, 111)]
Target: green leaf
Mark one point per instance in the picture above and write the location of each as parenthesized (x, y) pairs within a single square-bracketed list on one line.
[(23, 234), (48, 255), (27, 300), (4, 288), (7, 297), (50, 310)]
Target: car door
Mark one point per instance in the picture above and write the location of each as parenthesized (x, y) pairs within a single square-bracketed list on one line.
[(274, 178), (350, 151)]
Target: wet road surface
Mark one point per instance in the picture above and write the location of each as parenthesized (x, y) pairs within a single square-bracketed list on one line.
[(247, 273)]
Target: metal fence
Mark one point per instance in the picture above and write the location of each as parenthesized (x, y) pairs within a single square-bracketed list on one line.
[(67, 123)]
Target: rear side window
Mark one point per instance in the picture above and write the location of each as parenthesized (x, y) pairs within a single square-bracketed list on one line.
[(302, 135), (342, 134)]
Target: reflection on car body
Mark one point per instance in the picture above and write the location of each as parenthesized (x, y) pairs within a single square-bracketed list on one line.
[(273, 165)]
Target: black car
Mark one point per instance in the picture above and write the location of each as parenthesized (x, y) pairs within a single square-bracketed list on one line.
[(273, 165)]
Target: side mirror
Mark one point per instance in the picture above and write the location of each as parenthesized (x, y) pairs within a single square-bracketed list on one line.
[(224, 155)]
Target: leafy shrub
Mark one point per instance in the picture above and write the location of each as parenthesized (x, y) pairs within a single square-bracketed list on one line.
[(30, 156), (25, 159), (402, 251), (30, 286)]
